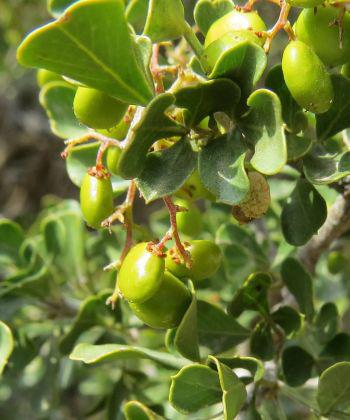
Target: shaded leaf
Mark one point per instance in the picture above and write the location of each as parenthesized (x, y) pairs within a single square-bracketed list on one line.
[(206, 98), (297, 365), (75, 46), (261, 341), (336, 350), (166, 171), (152, 125), (326, 322), (253, 365), (303, 214), (263, 127), (221, 168), (299, 282), (198, 380), (134, 410), (287, 318), (297, 146), (338, 116), (11, 238), (136, 14)]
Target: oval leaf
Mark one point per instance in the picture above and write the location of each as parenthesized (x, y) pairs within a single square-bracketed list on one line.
[(6, 345)]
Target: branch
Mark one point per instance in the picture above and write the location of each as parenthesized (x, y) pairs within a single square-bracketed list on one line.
[(337, 223)]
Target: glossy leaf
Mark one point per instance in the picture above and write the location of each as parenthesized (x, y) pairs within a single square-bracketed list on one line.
[(234, 393), (186, 336), (303, 214), (299, 283), (338, 116), (206, 98), (134, 410), (91, 353), (252, 295), (221, 168), (263, 127), (323, 167), (217, 330), (297, 365), (334, 388), (114, 68), (6, 345), (152, 125), (82, 158), (57, 99), (166, 171), (165, 20), (194, 379), (253, 365), (206, 12)]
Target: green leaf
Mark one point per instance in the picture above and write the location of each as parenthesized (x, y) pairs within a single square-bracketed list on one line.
[(136, 14), (165, 20), (263, 127), (206, 12), (6, 345), (336, 350), (57, 7), (297, 146), (234, 393), (134, 410), (261, 342), (194, 380), (217, 330), (326, 322), (11, 238), (186, 336), (338, 116), (252, 295), (206, 98), (324, 167), (244, 63), (91, 353), (152, 125), (82, 158), (75, 46), (334, 388), (303, 214), (253, 365), (92, 311), (299, 283), (290, 108), (297, 365), (166, 171), (57, 99), (287, 318), (115, 400), (221, 168)]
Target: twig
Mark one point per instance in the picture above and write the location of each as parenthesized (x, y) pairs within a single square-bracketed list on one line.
[(279, 25), (337, 223)]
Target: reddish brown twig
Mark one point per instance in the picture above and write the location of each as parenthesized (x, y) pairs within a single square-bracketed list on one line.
[(279, 25)]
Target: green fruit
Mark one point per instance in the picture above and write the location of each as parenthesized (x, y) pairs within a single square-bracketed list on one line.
[(307, 78), (113, 155), (235, 21), (96, 199), (317, 30), (305, 4), (166, 308), (188, 222), (345, 70), (194, 189), (141, 274), (118, 132), (336, 262), (96, 109), (206, 259), (45, 76), (216, 49)]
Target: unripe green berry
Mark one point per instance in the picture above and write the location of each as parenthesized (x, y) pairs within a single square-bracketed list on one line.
[(188, 222)]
